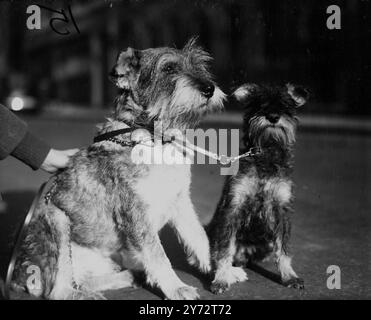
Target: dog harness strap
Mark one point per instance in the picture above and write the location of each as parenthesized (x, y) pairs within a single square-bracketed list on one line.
[(111, 134)]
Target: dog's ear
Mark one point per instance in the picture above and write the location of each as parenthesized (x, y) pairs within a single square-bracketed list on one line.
[(298, 93), (242, 93), (126, 68)]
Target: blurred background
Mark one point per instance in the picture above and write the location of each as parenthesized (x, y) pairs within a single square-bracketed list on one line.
[(255, 40), (62, 81)]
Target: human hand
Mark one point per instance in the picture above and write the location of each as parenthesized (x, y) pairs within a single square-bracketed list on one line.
[(57, 159)]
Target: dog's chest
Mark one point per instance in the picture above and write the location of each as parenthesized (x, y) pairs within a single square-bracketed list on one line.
[(160, 188), (261, 201), (264, 191)]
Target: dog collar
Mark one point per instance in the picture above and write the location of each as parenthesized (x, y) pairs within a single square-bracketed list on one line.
[(111, 135)]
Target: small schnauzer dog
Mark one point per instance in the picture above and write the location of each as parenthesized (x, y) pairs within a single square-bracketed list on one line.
[(104, 212), (252, 219)]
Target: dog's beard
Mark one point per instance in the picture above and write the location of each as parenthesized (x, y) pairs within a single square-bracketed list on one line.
[(186, 106), (262, 132)]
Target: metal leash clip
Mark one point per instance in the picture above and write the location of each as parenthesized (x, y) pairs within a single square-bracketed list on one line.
[(254, 151), (224, 160)]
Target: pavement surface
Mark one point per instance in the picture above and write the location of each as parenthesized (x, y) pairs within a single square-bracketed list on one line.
[(331, 224)]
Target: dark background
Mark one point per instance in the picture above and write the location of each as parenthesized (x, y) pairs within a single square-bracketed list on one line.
[(254, 40)]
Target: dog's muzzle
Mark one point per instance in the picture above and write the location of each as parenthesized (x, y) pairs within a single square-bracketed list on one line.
[(273, 117), (205, 87), (114, 76)]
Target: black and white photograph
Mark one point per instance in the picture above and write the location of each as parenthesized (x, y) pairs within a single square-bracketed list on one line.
[(185, 150)]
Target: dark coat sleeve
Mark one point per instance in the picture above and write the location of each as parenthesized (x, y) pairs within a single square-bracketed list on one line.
[(16, 140)]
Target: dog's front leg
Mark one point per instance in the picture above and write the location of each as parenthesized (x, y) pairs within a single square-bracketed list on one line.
[(222, 232), (289, 277), (192, 234), (159, 271), (226, 274)]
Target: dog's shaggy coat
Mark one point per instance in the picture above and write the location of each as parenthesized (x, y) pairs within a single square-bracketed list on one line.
[(105, 210), (252, 220)]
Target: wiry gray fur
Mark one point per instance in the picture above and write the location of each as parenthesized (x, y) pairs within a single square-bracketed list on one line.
[(99, 209)]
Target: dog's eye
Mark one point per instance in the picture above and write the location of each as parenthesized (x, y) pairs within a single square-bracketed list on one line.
[(169, 68)]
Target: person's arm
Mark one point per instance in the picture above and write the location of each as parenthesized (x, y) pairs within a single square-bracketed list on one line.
[(17, 141)]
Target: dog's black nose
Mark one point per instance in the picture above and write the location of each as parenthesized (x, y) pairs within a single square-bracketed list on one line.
[(273, 117), (207, 90)]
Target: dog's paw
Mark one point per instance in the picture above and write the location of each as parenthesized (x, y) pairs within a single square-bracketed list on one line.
[(192, 260), (231, 275), (237, 274), (124, 279), (295, 283), (218, 287), (203, 266), (225, 278), (86, 294), (185, 293)]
